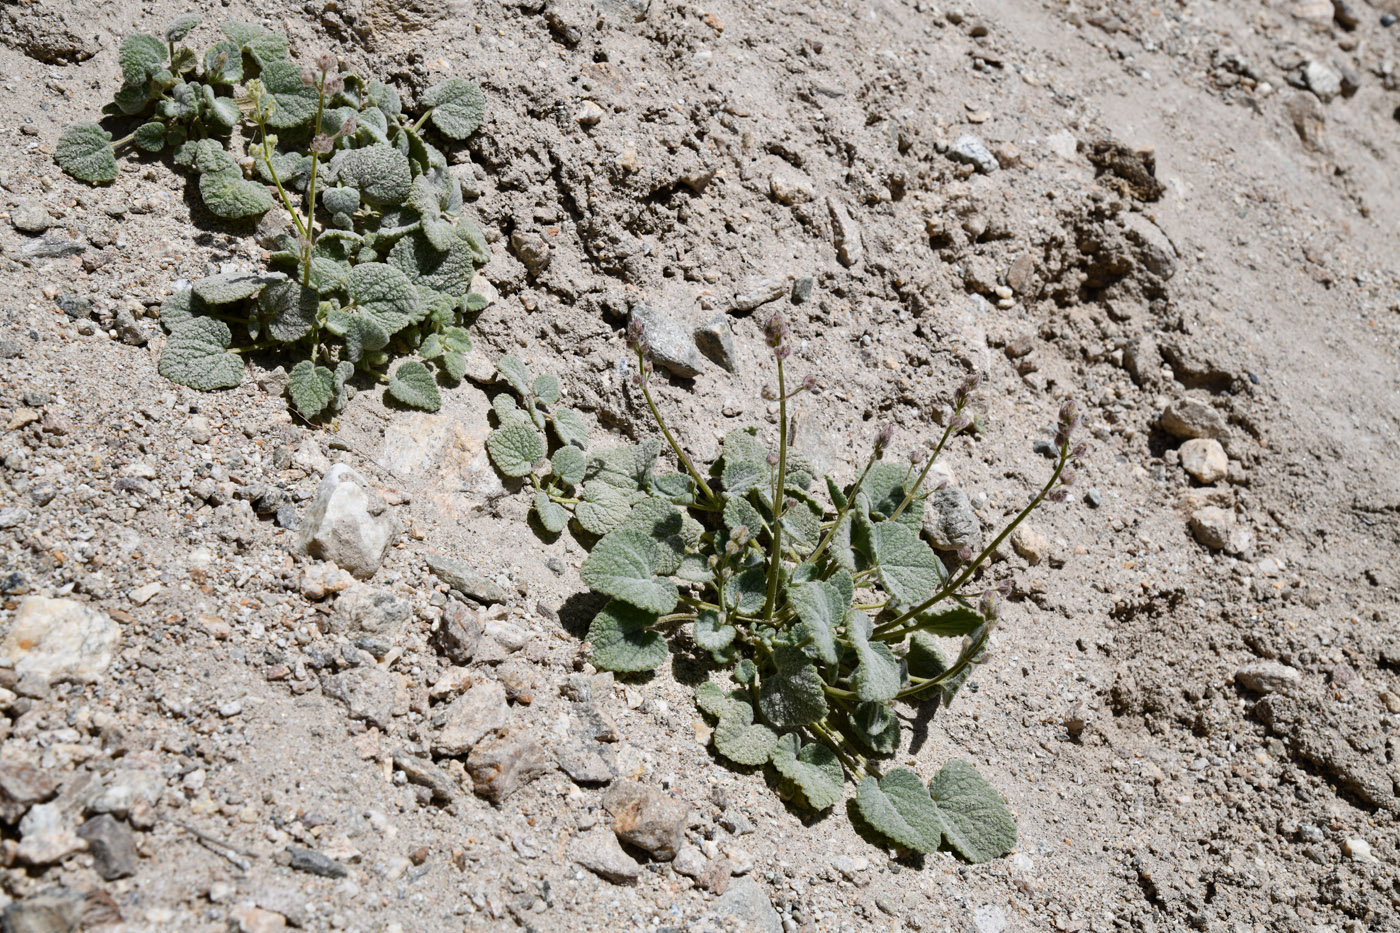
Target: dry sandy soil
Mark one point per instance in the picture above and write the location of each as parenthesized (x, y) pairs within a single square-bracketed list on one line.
[(1184, 215)]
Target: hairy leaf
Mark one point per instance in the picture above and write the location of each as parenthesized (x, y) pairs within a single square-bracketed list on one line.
[(294, 103), (747, 590), (821, 607), (291, 310), (546, 388), (950, 623), (623, 565), (140, 57), (743, 444), (196, 355), (568, 464), (512, 369), (449, 271), (886, 486), (975, 821), (740, 476), (604, 507), (553, 516), (709, 632), (570, 428), (792, 695), (229, 287), (909, 570), (739, 740), (341, 200), (457, 107), (740, 513), (85, 152), (413, 385), (622, 640), (712, 699), (877, 677), (876, 725), (223, 64), (384, 293), (812, 771), (181, 306), (228, 194), (381, 173), (310, 387), (515, 447), (898, 807), (181, 26), (150, 136)]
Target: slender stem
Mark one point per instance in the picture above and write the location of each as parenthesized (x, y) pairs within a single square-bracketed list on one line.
[(123, 141), (775, 563), (309, 240), (253, 348), (933, 457), (837, 691), (854, 762), (272, 170), (897, 627), (841, 514), (423, 119), (666, 432)]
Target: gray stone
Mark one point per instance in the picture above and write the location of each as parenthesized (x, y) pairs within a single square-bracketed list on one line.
[(950, 524), (464, 579), (532, 250), (647, 818), (690, 861), (582, 764), (55, 909), (60, 639), (1143, 360), (672, 340), (370, 610), (500, 765), (1266, 677), (471, 717), (760, 293), (1309, 120), (367, 692), (971, 150), (458, 633), (1188, 418), (802, 289), (22, 782), (845, 234), (1212, 526), (748, 906), (53, 247), (716, 341), (1322, 81), (29, 216), (989, 919), (348, 524), (128, 330), (113, 846), (1155, 250), (426, 774), (1204, 459), (313, 862), (599, 852)]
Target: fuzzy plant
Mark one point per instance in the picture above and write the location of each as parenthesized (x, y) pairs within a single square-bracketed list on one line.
[(380, 256), (826, 612)]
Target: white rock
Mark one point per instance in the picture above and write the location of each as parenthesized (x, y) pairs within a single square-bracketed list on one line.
[(60, 639), (1205, 460), (1030, 544), (1266, 676), (348, 524), (308, 457), (1358, 849), (46, 837), (790, 186)]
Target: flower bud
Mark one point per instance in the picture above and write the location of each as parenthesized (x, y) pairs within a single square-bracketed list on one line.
[(959, 423), (308, 77), (964, 554), (783, 351), (636, 331), (1079, 451), (322, 144), (809, 383), (1057, 495), (916, 455), (989, 606), (349, 126), (772, 458), (882, 440), (789, 503), (1067, 477), (1068, 411), (1004, 587), (776, 330), (333, 84), (769, 394), (325, 61)]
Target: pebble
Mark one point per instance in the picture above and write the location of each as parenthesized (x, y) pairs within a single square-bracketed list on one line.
[(671, 338), (315, 863), (60, 639), (29, 216), (972, 151), (746, 903), (1188, 418), (249, 919), (1266, 677), (1358, 849), (647, 818), (588, 113), (950, 523), (1030, 543), (471, 717), (760, 293), (500, 765), (458, 633), (53, 909), (1322, 81), (22, 783), (789, 185), (1093, 498), (598, 851), (321, 580), (364, 609), (1212, 526), (367, 692), (531, 249), (715, 339), (802, 289), (845, 233), (199, 429), (1204, 459), (46, 836), (989, 919), (113, 846), (348, 524)]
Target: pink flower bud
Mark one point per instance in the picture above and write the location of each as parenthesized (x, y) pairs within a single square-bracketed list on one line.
[(308, 77), (882, 440), (325, 61), (322, 144), (348, 127)]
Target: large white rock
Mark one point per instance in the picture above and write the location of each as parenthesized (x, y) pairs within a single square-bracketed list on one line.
[(60, 639), (348, 524)]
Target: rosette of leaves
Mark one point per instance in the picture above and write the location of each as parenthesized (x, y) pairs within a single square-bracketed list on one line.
[(382, 253), (820, 599)]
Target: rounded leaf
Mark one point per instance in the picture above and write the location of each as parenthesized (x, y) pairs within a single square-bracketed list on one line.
[(622, 640), (413, 385), (85, 152), (553, 516), (623, 565), (458, 107), (568, 464), (515, 447), (384, 293), (150, 136), (228, 287), (310, 387), (813, 771), (381, 173), (181, 27), (228, 194), (196, 355)]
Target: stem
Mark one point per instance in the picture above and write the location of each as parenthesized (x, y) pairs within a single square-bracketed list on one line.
[(775, 553), (310, 227), (854, 762), (272, 170), (666, 432), (253, 348), (841, 514), (423, 119), (909, 495), (123, 141), (897, 628)]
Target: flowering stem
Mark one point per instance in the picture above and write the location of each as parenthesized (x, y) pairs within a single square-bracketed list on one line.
[(666, 432), (775, 553), (841, 514), (933, 458)]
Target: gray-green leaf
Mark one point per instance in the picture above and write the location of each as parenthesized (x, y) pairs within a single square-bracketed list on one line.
[(792, 695), (546, 388), (413, 385), (294, 103), (552, 515), (568, 464), (515, 447), (737, 739), (747, 590), (877, 676), (623, 565), (821, 607), (228, 287), (512, 369), (85, 152), (181, 27), (909, 570), (710, 634), (898, 806), (457, 107), (196, 355), (813, 771), (384, 293), (140, 57), (228, 194), (310, 387), (291, 309), (604, 507), (381, 173), (622, 640), (570, 428), (975, 821)]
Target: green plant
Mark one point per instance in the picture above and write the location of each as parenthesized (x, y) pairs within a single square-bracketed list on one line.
[(827, 613), (381, 255)]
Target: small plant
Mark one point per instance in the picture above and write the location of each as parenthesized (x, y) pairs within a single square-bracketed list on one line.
[(381, 256), (827, 613)]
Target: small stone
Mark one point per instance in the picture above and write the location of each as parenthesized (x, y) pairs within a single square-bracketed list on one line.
[(144, 594), (801, 289), (845, 233), (348, 524), (425, 774), (647, 818), (471, 717), (746, 904), (60, 639), (1266, 677), (1358, 849), (501, 765), (321, 580), (972, 151), (29, 216), (789, 185), (1205, 460), (129, 331), (1189, 418), (599, 852), (249, 919), (532, 250), (367, 692), (458, 633), (583, 765), (462, 578), (53, 247), (1391, 701), (716, 341), (46, 837), (370, 610), (54, 909), (315, 863), (1322, 81), (199, 430), (22, 782), (950, 524), (989, 919), (689, 861), (588, 113), (1030, 544), (1155, 249), (760, 293), (1093, 498), (308, 457), (1212, 526), (112, 845), (1309, 121), (672, 340)]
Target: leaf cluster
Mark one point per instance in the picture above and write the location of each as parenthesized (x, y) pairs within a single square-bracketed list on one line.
[(381, 254), (821, 600)]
